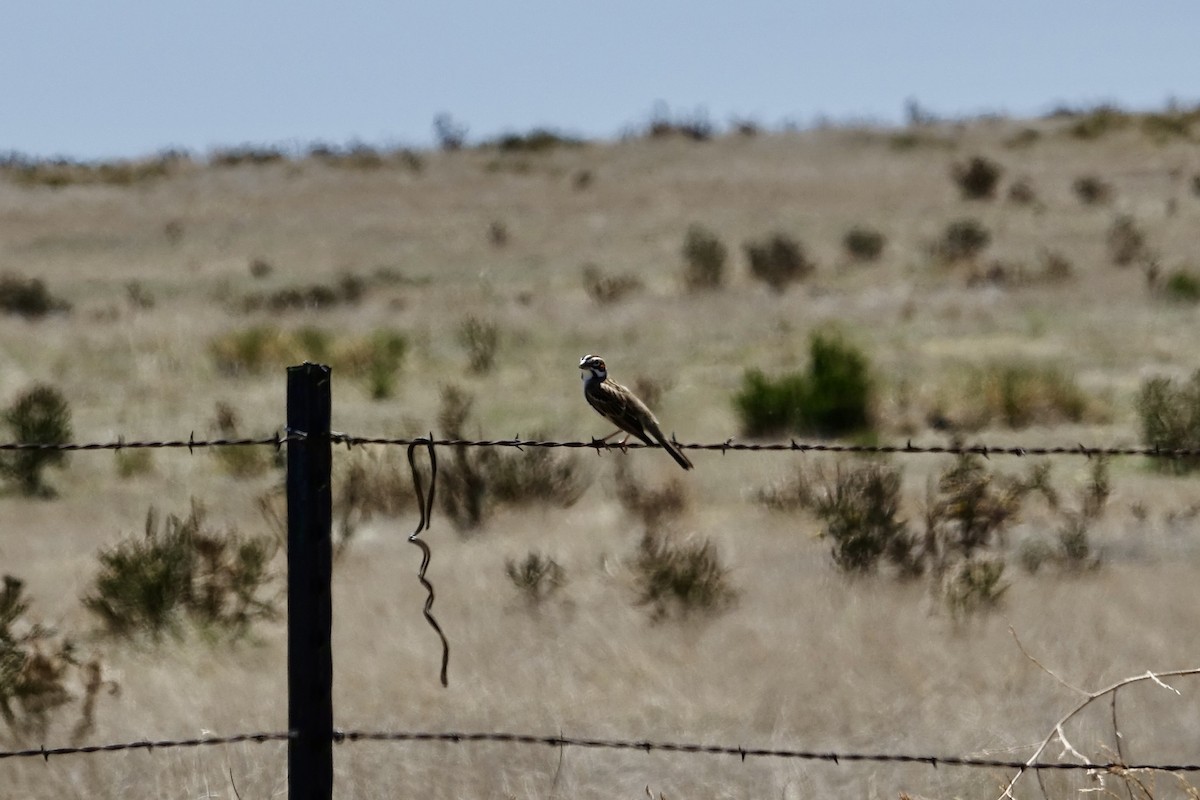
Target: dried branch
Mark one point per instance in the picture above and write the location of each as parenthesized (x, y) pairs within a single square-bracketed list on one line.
[(1057, 729)]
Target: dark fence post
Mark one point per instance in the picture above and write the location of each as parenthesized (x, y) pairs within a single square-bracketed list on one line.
[(310, 566)]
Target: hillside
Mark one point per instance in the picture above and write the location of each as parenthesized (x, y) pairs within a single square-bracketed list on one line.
[(188, 283)]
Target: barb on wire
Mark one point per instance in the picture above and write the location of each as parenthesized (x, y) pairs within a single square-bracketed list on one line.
[(45, 753), (792, 446), (425, 506), (836, 757)]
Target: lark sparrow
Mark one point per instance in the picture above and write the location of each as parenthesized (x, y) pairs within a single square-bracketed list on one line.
[(621, 407)]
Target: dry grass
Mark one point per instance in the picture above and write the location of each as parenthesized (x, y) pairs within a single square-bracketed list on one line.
[(806, 658)]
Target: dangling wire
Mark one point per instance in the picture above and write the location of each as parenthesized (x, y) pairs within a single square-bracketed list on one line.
[(425, 506)]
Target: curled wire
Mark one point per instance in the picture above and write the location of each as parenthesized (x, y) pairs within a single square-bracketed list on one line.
[(425, 506)]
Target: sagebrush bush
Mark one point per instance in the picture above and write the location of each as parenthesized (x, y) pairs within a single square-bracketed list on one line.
[(863, 244), (1019, 395), (962, 240), (605, 289), (1169, 412), (451, 135), (972, 507), (182, 570), (536, 577), (833, 397), (28, 297), (40, 415), (1022, 193), (977, 179), (35, 666), (1091, 190), (481, 339), (477, 480), (368, 483), (778, 261), (1126, 241), (349, 289), (975, 585), (860, 507), (536, 475), (681, 579), (655, 506), (704, 256)]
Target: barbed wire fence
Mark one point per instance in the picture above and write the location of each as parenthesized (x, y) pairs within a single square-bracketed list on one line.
[(312, 736)]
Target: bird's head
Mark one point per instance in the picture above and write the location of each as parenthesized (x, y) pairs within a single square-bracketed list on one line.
[(593, 366)]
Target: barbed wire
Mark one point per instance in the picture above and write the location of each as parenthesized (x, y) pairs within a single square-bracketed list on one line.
[(791, 446), (344, 737), (45, 753), (728, 446), (191, 443)]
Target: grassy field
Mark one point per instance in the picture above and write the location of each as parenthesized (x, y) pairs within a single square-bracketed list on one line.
[(160, 273)]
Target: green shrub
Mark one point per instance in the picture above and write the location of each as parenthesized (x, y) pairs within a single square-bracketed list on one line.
[(247, 155), (604, 289), (778, 261), (962, 240), (481, 338), (832, 398), (538, 140), (1170, 419), (536, 577), (704, 258), (1182, 286), (182, 570), (863, 244), (977, 179), (681, 579), (40, 415), (838, 388), (28, 297), (860, 509), (134, 462), (377, 359), (769, 407), (253, 350)]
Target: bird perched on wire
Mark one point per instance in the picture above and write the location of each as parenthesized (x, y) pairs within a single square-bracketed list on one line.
[(622, 408)]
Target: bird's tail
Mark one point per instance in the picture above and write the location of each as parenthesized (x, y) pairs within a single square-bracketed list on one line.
[(679, 457)]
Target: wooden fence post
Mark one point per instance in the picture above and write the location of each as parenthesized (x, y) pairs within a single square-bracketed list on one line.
[(310, 566)]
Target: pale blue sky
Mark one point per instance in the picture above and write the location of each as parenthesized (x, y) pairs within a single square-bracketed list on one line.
[(91, 79)]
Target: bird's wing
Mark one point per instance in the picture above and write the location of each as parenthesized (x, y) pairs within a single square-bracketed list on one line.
[(619, 406)]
